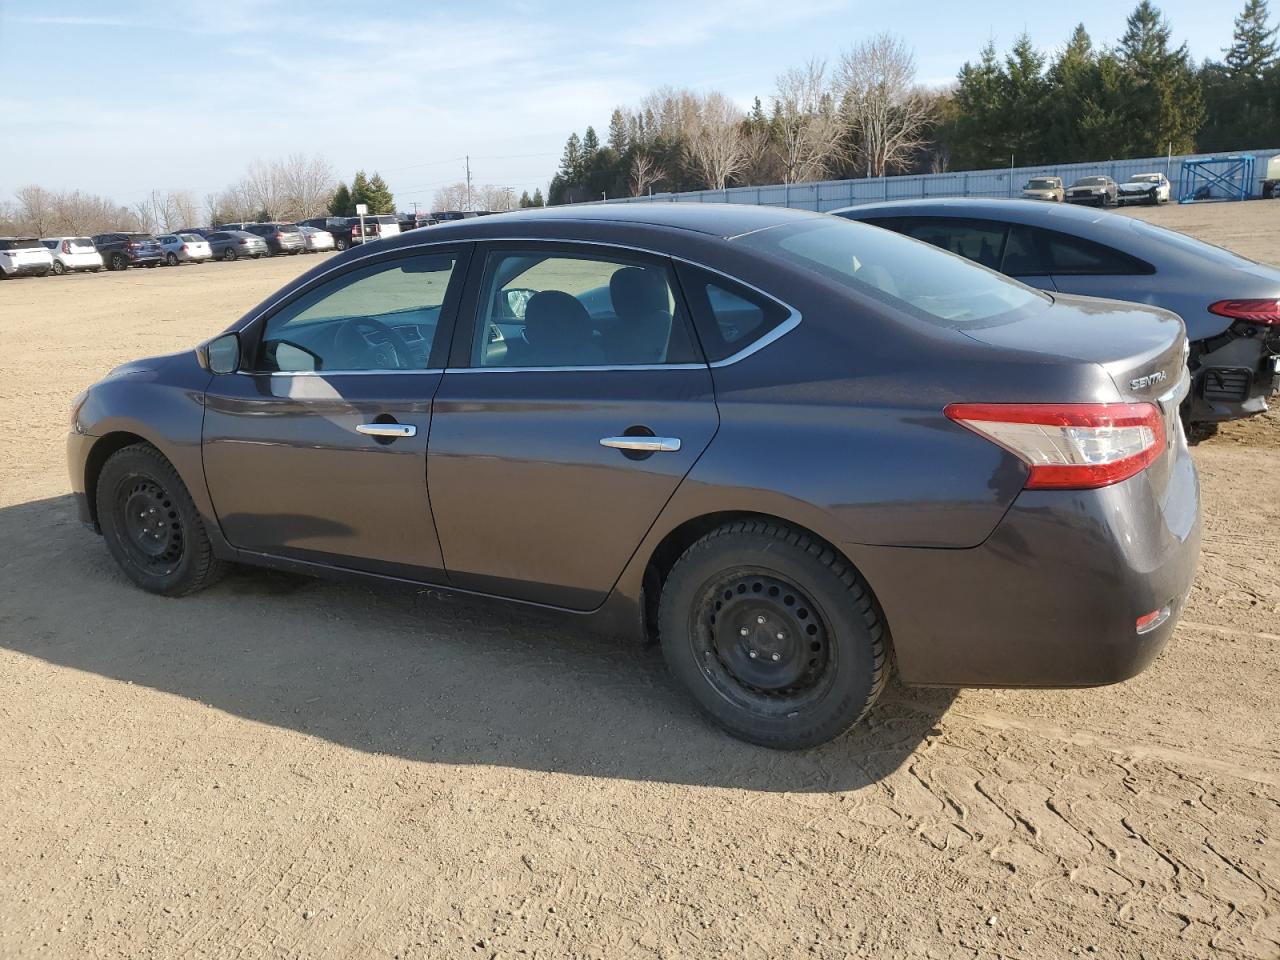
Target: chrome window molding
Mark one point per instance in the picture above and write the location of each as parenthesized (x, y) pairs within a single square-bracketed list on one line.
[(335, 373), (602, 368), (793, 319)]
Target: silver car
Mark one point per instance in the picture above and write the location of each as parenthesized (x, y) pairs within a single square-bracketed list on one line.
[(1230, 305), (185, 248), (315, 239), (1044, 188)]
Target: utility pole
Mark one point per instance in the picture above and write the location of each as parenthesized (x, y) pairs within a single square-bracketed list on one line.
[(468, 181)]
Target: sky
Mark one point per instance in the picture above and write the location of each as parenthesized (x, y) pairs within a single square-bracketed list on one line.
[(121, 99)]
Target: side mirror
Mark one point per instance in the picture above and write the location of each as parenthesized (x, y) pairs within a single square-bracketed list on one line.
[(223, 353), (517, 299)]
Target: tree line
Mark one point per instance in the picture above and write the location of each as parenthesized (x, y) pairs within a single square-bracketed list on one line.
[(865, 114)]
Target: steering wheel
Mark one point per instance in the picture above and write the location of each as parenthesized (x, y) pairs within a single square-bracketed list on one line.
[(395, 354)]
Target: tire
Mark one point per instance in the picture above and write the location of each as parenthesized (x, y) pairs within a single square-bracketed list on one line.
[(229, 254), (171, 259), (164, 548), (117, 262), (340, 244), (813, 653), (59, 268)]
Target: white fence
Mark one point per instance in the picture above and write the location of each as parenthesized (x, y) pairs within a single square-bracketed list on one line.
[(833, 194)]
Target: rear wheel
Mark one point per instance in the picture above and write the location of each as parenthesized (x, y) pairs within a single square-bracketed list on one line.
[(171, 259), (775, 636), (151, 525), (58, 268), (340, 243)]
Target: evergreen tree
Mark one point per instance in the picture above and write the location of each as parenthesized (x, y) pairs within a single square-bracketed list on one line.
[(618, 132), (525, 201), (590, 144), (1163, 104), (378, 196), (537, 198), (340, 205), (976, 134), (571, 160), (359, 191), (1253, 46), (1024, 103)]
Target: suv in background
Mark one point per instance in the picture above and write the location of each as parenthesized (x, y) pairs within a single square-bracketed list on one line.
[(375, 227), (73, 253), (1043, 188), (24, 256), (340, 227), (123, 250), (281, 237), (1100, 191)]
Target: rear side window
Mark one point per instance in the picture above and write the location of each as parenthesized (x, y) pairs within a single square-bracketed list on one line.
[(217, 236), (728, 316), (1076, 257), (981, 241), (1022, 256)]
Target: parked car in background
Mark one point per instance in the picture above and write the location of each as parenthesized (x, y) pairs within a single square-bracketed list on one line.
[(1230, 305), (234, 244), (314, 239), (281, 238), (416, 222), (688, 440), (1152, 188), (1044, 188), (375, 228), (123, 250), (337, 227), (442, 216), (24, 257), (71, 254), (185, 248), (1097, 191)]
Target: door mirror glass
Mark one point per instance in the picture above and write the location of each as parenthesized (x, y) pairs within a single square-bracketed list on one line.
[(224, 353)]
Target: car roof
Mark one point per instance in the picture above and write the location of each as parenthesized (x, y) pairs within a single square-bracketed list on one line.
[(1032, 212), (710, 219)]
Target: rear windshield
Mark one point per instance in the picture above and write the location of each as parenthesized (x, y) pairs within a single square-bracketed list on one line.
[(24, 243), (190, 237), (384, 219), (138, 236), (898, 271), (287, 228), (1186, 244), (82, 242)]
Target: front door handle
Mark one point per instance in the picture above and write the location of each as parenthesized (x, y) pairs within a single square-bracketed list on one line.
[(645, 444), (391, 430)]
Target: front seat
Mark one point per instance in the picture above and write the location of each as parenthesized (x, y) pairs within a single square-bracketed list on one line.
[(558, 333), (641, 302)]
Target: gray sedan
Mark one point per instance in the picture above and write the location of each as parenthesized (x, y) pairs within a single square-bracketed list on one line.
[(234, 244), (792, 450), (1228, 303)]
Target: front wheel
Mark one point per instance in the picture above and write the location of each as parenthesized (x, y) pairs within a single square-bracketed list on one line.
[(118, 262), (229, 254), (775, 636), (151, 525)]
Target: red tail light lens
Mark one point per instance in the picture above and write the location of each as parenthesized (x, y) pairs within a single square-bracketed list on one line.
[(1070, 446), (183, 248), (1255, 311), (243, 242)]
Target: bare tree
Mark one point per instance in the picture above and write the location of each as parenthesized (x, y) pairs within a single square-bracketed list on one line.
[(887, 113), (305, 185), (180, 209), (713, 140), (646, 172), (35, 208), (452, 197), (808, 130), (483, 197)]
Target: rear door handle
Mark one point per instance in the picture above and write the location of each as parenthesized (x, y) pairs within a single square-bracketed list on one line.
[(392, 430), (647, 444)]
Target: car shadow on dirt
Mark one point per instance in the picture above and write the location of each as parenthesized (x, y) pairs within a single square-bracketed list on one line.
[(417, 674)]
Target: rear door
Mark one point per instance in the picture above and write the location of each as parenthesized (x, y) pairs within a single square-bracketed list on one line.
[(574, 405), (316, 449)]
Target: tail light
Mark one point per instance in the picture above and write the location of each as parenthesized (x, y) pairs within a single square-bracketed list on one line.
[(66, 246), (1255, 311), (1070, 446), (243, 242), (183, 248), (134, 246)]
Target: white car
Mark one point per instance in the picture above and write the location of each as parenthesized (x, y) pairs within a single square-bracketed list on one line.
[(1152, 188), (24, 256), (184, 248), (73, 253), (315, 239)]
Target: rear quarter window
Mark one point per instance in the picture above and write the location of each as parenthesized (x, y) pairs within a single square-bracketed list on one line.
[(728, 316), (1069, 256)]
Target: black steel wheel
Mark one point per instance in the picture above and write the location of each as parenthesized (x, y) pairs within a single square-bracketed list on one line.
[(150, 524), (774, 634)]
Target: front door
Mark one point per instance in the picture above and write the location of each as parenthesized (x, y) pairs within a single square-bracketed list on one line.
[(316, 449), (576, 403)]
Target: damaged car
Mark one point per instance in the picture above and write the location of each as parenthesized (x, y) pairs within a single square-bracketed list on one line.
[(1230, 304)]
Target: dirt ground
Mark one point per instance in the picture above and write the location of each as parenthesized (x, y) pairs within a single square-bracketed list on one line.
[(282, 767)]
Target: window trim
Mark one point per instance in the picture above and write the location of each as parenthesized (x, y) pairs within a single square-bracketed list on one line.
[(251, 331)]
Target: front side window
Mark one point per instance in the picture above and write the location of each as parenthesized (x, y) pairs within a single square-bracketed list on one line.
[(540, 308), (380, 317), (897, 271)]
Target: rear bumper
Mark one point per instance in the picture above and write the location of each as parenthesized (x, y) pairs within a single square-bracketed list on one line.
[(1051, 599), (27, 269), (1233, 381)]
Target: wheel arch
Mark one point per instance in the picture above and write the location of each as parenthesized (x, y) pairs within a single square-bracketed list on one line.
[(99, 453), (662, 558)]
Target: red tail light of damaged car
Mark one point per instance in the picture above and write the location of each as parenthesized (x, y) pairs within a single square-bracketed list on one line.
[(1070, 446)]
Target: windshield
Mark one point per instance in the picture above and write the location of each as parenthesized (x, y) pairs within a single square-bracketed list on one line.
[(1090, 182), (904, 273), (1042, 184)]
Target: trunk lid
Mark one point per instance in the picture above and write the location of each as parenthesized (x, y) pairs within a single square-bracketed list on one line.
[(1142, 349)]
